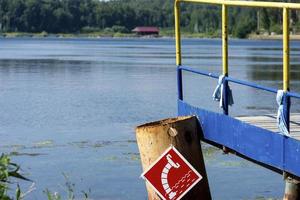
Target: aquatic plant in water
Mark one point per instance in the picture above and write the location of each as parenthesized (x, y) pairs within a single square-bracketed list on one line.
[(69, 188), (9, 171)]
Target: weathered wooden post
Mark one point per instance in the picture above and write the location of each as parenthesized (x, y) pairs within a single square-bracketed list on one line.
[(183, 133), (292, 188)]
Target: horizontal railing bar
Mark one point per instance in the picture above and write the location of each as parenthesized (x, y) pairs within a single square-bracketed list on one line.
[(253, 85), (240, 82), (293, 94), (189, 69), (237, 81), (261, 4)]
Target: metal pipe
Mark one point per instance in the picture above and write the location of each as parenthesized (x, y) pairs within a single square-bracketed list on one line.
[(177, 32), (178, 48), (197, 71), (225, 56), (259, 4), (225, 40), (253, 85), (286, 64), (292, 187), (286, 50), (179, 83), (233, 80), (293, 94)]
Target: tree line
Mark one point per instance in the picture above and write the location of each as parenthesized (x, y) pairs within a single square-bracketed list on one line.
[(75, 16)]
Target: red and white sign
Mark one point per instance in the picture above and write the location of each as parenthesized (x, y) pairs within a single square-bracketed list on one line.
[(171, 175)]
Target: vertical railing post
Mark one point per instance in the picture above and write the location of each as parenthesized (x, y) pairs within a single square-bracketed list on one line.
[(177, 32), (225, 55), (179, 83), (178, 48), (225, 61), (286, 64), (292, 186)]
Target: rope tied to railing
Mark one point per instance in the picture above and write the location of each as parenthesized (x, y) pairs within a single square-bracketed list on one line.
[(281, 119), (219, 94)]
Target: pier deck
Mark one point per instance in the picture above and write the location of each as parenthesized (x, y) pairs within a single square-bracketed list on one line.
[(254, 138), (269, 122)]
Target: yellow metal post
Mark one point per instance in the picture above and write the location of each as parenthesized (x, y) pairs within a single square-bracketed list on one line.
[(225, 61), (286, 49), (292, 186), (224, 40), (257, 4), (177, 32)]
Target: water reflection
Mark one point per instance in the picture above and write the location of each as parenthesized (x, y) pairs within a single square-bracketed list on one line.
[(79, 100), (272, 72), (44, 66)]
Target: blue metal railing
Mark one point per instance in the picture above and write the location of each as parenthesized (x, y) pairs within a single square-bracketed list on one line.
[(233, 80), (286, 99)]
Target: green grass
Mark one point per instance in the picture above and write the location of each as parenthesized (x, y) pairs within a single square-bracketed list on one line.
[(69, 188), (10, 175), (66, 35), (9, 171), (185, 33)]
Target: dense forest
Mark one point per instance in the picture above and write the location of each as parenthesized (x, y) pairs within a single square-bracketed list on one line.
[(76, 16)]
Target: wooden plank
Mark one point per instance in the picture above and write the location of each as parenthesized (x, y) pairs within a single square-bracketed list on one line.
[(269, 122)]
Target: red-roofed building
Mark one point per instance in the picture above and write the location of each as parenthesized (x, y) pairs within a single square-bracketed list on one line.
[(146, 30)]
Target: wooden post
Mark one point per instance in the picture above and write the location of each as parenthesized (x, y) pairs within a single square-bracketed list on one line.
[(183, 133), (292, 189)]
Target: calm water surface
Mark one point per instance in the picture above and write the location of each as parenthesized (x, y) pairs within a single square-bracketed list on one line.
[(70, 106)]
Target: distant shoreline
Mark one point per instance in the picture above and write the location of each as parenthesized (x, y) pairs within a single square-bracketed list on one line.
[(97, 35), (162, 34), (130, 35), (272, 37)]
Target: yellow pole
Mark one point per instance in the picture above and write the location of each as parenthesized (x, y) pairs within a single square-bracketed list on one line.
[(257, 4), (224, 40), (286, 49), (292, 188), (177, 32)]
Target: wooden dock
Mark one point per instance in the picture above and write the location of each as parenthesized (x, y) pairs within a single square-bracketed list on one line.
[(268, 122)]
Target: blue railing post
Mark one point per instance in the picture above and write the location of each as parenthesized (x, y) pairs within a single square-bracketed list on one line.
[(286, 109), (225, 101), (179, 83), (286, 65), (178, 48)]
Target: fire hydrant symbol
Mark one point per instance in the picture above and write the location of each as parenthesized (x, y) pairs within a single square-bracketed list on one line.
[(164, 176), (171, 175)]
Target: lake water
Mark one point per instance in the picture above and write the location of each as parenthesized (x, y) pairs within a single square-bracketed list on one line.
[(71, 105)]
